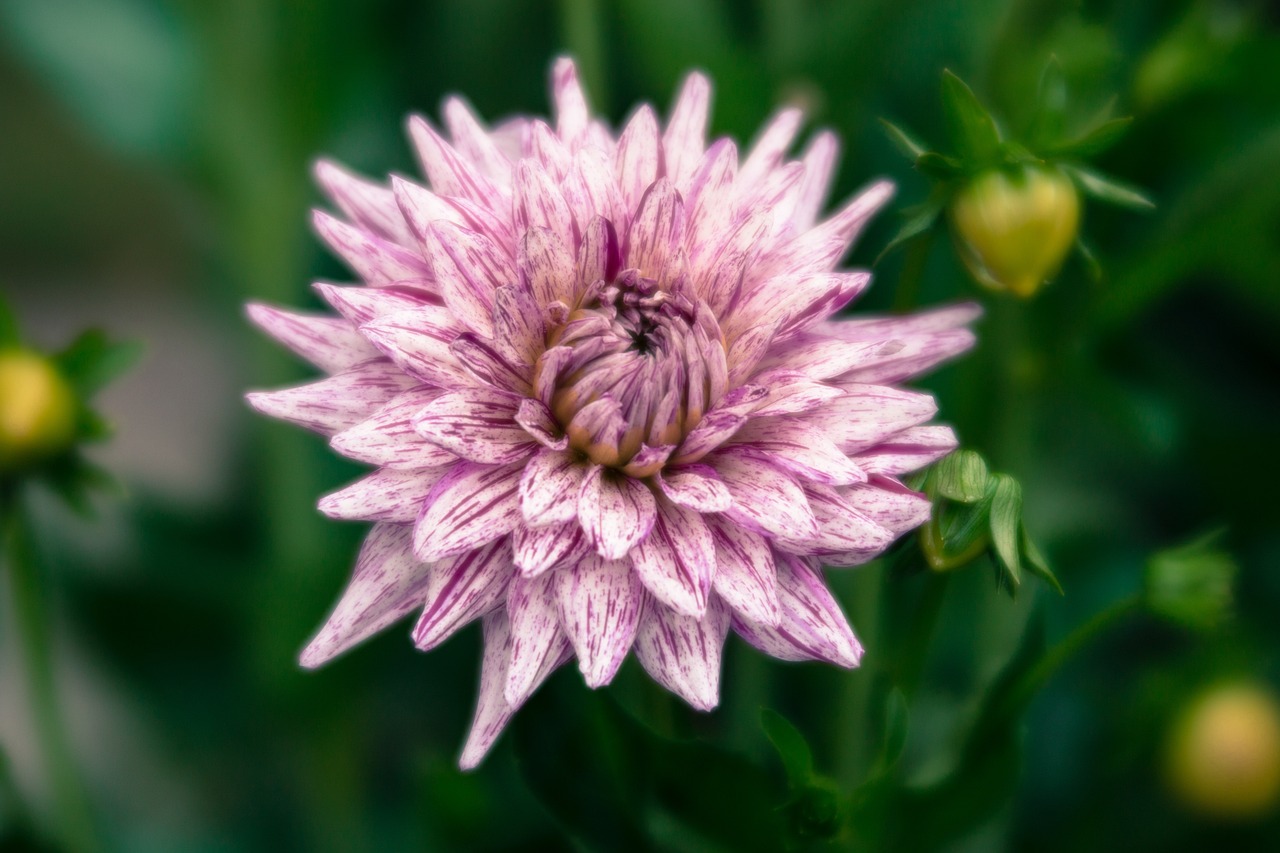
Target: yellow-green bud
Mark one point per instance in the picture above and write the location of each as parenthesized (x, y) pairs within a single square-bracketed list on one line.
[(37, 410), (1223, 755), (1013, 229)]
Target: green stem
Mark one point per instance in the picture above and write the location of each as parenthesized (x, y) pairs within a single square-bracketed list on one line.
[(582, 25), (919, 637), (907, 296), (1022, 692), (74, 821)]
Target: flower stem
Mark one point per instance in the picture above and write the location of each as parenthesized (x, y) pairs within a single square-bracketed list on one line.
[(907, 296), (74, 821), (1067, 648)]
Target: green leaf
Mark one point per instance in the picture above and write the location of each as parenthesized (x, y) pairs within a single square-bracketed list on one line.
[(962, 477), (92, 361), (1091, 263), (8, 326), (911, 147), (1036, 563), (1006, 519), (1051, 103), (1093, 141), (919, 220), (791, 745), (939, 166), (895, 731), (1106, 188), (973, 130)]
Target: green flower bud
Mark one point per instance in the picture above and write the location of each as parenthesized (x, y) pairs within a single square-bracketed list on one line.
[(1223, 754), (1191, 584), (1013, 229), (37, 410)]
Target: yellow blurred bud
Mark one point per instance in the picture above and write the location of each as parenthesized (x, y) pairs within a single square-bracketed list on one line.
[(37, 410), (1224, 752), (1013, 229)]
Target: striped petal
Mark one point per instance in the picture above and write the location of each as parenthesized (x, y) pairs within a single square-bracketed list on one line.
[(682, 653), (599, 602), (471, 505)]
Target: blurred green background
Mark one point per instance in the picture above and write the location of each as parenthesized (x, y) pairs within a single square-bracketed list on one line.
[(154, 175)]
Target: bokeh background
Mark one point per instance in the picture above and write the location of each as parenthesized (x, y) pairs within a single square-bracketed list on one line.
[(154, 175)]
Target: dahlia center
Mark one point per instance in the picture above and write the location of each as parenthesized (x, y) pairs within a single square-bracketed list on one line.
[(646, 364)]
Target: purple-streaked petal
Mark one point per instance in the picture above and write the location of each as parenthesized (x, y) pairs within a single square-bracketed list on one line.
[(418, 340), (811, 624), (420, 207), (361, 305), (616, 512), (538, 549), (486, 365), (685, 137), (842, 530), (469, 268), (819, 161), (819, 249), (797, 302), (909, 450), (519, 333), (540, 203), (549, 488), (472, 141), (747, 350), (387, 584), (696, 487), (719, 424), (889, 504), (471, 505), (330, 343), (799, 447), (571, 111), (771, 145), (656, 232), (546, 266), (867, 414), (792, 392), (536, 419), (746, 577), (677, 561), (913, 357), (766, 498), (638, 159), (449, 173), (385, 495), (683, 653), (463, 588), (379, 262), (337, 403), (535, 630), (592, 190), (388, 438), (370, 206), (477, 424), (600, 602), (648, 460)]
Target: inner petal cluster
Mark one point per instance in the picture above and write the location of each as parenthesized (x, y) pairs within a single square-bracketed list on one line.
[(637, 368)]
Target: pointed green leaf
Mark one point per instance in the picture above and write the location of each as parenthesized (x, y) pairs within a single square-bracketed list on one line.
[(895, 731), (1036, 563), (911, 147), (1051, 103), (8, 326), (1091, 264), (973, 130), (1108, 189), (92, 361), (1093, 141), (939, 166), (1006, 518), (791, 745), (962, 477), (919, 220)]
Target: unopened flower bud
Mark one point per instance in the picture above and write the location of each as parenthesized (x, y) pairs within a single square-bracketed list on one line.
[(1013, 229), (1192, 584), (1224, 752), (37, 410)]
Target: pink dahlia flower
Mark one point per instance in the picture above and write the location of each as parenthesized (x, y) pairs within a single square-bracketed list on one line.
[(607, 407)]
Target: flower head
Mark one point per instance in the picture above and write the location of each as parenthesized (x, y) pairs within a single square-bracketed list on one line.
[(607, 407)]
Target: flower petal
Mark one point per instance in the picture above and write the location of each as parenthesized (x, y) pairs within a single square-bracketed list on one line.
[(361, 305), (538, 549), (477, 424), (685, 138), (451, 174), (909, 450), (656, 232), (572, 116), (472, 141), (696, 487), (379, 262), (819, 161), (616, 512), (771, 145), (519, 333), (720, 423), (540, 203), (388, 583), (811, 626), (471, 505), (819, 249), (336, 403), (536, 419), (889, 504), (801, 448), (682, 653), (746, 577), (369, 205), (463, 588), (546, 266), (469, 268), (384, 495), (677, 561), (868, 414), (486, 365), (330, 343), (845, 536), (638, 159), (388, 438), (766, 499), (418, 340), (600, 602), (549, 488), (536, 637)]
